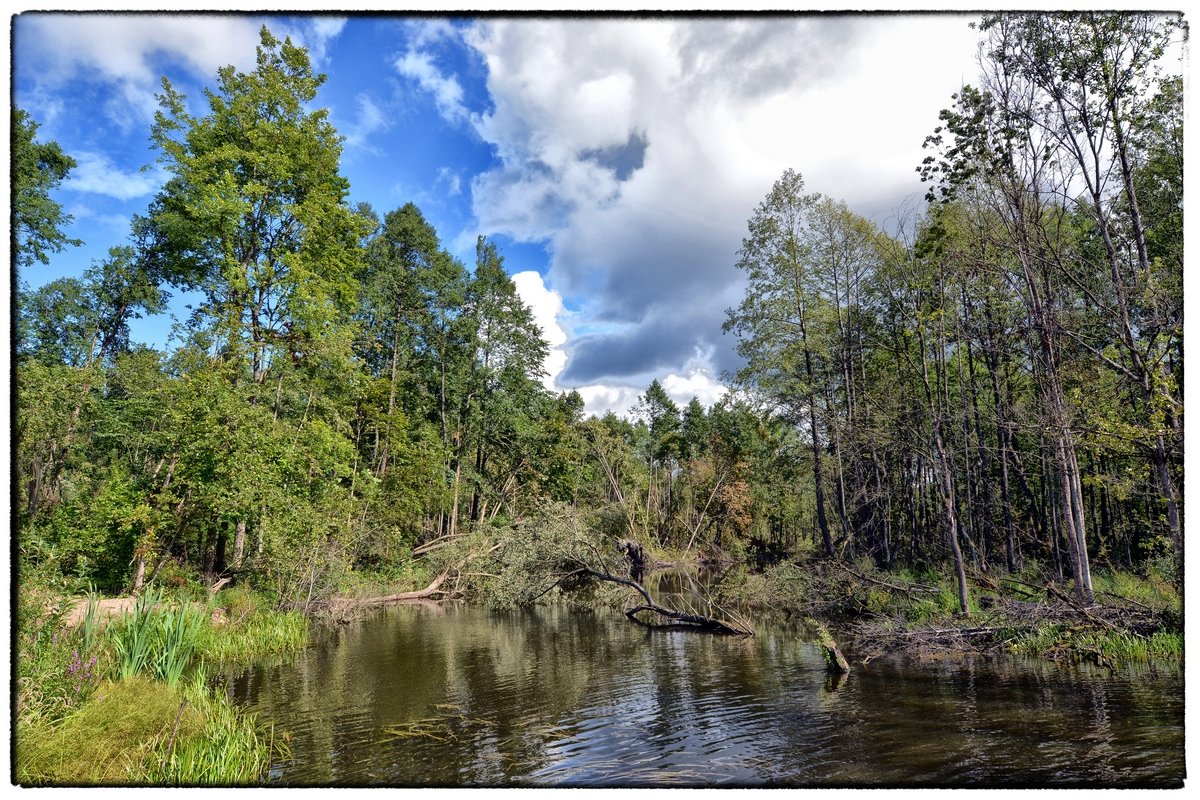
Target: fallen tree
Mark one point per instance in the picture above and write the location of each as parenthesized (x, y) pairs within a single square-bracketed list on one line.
[(676, 619), (556, 549)]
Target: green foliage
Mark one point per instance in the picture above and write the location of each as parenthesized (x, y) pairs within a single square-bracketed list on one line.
[(38, 168), (532, 556), (55, 671)]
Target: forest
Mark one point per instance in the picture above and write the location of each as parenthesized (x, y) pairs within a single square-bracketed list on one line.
[(993, 389)]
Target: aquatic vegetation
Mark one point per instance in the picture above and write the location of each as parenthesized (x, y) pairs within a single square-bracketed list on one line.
[(228, 751), (178, 631)]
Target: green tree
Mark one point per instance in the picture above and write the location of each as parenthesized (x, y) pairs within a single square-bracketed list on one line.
[(37, 170), (256, 209)]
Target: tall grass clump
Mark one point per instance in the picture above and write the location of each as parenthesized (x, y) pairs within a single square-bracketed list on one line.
[(132, 640), (178, 632), (228, 751)]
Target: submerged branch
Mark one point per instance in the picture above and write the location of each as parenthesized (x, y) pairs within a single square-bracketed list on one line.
[(676, 618)]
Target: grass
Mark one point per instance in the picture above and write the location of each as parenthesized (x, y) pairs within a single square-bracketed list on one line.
[(228, 751), (110, 740), (142, 731), (126, 702), (260, 634), (1058, 641)]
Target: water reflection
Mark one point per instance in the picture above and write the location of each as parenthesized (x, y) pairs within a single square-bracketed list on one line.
[(465, 697)]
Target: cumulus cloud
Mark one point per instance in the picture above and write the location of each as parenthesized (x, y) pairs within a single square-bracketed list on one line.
[(127, 50), (636, 150), (96, 173)]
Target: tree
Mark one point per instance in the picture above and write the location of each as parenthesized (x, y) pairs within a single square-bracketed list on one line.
[(775, 320), (38, 168), (256, 209), (1085, 77), (658, 412)]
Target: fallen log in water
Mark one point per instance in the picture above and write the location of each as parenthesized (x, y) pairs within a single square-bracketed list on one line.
[(676, 619)]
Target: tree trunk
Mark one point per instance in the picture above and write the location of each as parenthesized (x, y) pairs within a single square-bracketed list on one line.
[(239, 543)]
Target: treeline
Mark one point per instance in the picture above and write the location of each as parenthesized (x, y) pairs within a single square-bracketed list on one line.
[(1004, 379), (346, 392), (1000, 382)]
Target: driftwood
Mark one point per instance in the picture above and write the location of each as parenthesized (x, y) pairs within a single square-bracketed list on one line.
[(676, 619), (834, 660), (433, 590)]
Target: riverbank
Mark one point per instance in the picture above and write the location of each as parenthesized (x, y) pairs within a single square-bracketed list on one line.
[(84, 663), (1133, 619), (114, 691)]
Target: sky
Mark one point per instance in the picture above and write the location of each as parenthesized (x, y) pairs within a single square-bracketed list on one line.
[(614, 160)]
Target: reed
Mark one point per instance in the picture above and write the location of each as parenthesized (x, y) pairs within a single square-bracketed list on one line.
[(178, 631), (229, 751), (132, 641)]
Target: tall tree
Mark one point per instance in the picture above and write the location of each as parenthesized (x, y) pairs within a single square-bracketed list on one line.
[(37, 169), (256, 206)]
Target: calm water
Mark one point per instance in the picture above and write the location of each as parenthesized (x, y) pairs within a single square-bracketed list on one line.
[(461, 696)]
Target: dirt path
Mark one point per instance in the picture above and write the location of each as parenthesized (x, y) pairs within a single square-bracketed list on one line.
[(107, 607)]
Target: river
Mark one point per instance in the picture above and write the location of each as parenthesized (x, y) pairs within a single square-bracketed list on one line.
[(555, 696)]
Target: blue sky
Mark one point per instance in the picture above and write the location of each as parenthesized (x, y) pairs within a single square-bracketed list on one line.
[(614, 160)]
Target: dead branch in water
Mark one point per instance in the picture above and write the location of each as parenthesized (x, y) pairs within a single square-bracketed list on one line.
[(678, 619)]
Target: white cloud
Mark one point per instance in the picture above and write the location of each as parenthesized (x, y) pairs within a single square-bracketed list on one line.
[(96, 173), (118, 224), (126, 49), (368, 120), (316, 35), (547, 307), (599, 399), (696, 381), (449, 182), (447, 92), (636, 150)]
